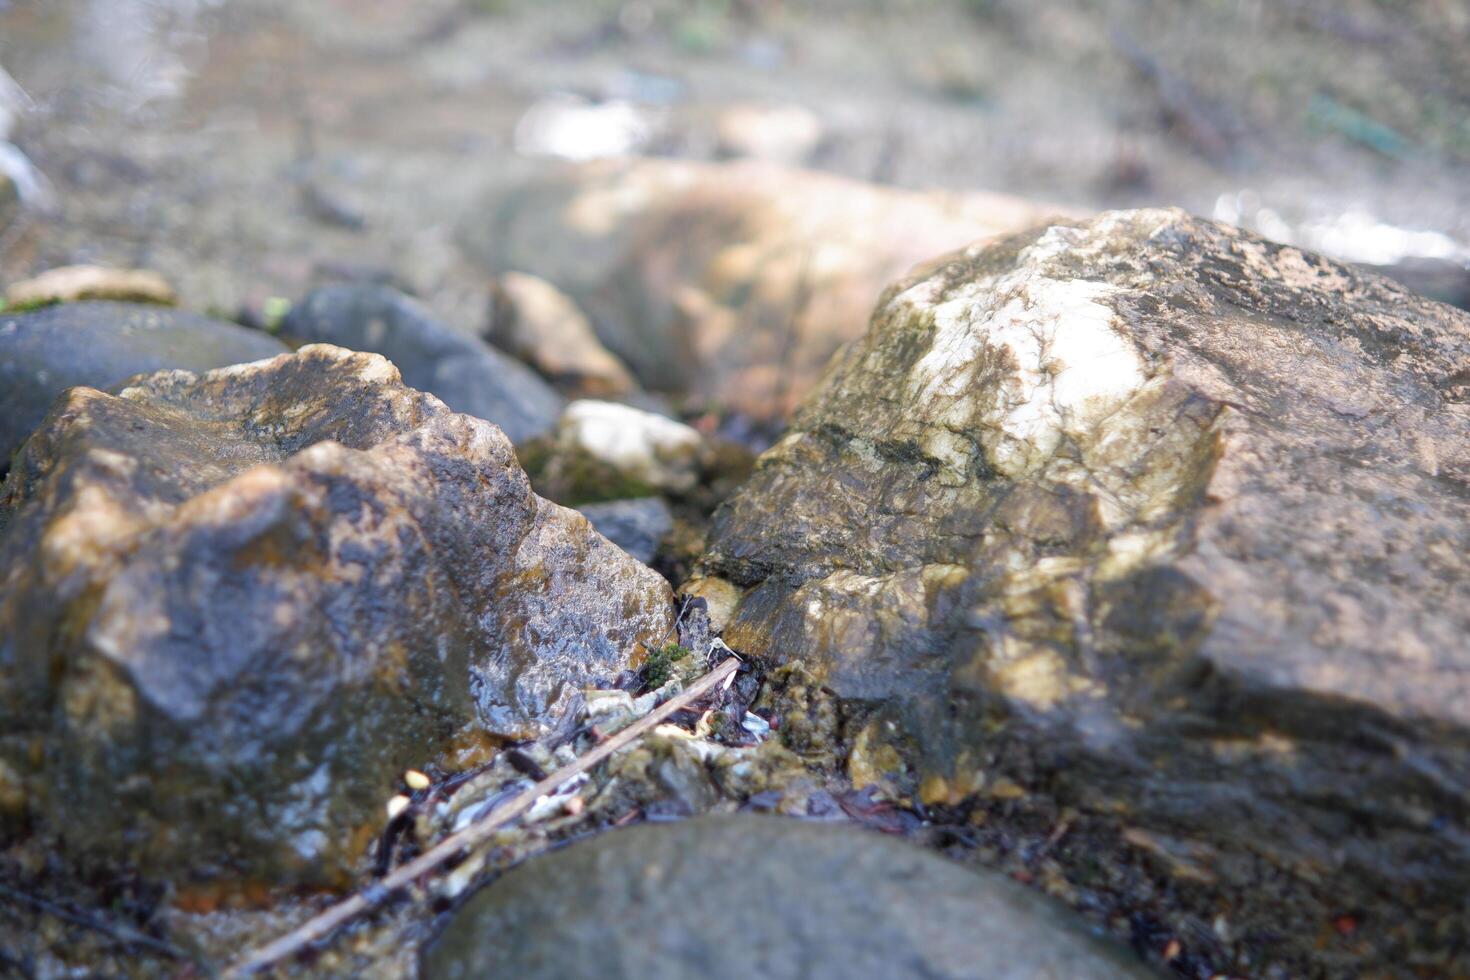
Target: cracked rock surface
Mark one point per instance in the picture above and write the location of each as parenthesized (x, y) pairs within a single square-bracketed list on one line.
[(235, 605), (1172, 526)]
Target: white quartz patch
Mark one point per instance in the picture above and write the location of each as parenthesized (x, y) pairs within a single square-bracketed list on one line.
[(1067, 366)]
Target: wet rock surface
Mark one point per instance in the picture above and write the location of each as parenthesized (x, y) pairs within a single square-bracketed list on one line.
[(733, 282), (1169, 527), (100, 344), (745, 895), (236, 605), (463, 371)]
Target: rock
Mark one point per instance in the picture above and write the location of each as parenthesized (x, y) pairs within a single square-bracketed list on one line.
[(235, 606), (100, 344), (1446, 280), (745, 896), (786, 134), (734, 282), (72, 283), (721, 598), (1172, 525), (607, 451), (469, 375), (636, 526), (9, 201), (534, 321)]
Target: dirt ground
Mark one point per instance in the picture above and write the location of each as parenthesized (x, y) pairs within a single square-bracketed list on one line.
[(246, 148)]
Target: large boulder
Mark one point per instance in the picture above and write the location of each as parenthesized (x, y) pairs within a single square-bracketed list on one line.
[(742, 896), (469, 375), (235, 605), (99, 344), (736, 281), (1171, 526)]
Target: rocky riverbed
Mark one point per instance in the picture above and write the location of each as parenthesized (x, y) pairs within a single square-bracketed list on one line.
[(1123, 557), (720, 551)]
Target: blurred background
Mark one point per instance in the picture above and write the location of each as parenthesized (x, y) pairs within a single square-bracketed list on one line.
[(249, 148)]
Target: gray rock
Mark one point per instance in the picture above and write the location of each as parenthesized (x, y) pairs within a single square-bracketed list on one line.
[(1167, 524), (99, 344), (636, 526), (234, 606), (745, 896), (464, 371)]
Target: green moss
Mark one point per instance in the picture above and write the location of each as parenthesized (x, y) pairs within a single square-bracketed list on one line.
[(658, 666), (573, 478), (27, 307)]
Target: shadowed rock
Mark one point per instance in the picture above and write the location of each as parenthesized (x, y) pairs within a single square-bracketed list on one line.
[(1165, 523), (734, 282), (750, 896), (465, 372), (234, 606), (637, 526), (100, 344)]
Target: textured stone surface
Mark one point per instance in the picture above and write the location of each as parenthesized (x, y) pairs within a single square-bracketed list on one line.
[(538, 323), (463, 371), (100, 344), (72, 283), (1171, 525), (751, 896), (235, 605), (735, 282)]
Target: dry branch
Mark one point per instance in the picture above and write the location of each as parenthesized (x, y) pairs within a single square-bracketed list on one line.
[(329, 921)]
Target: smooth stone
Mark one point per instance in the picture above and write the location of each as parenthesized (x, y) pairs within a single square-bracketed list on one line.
[(100, 344), (745, 896), (469, 375)]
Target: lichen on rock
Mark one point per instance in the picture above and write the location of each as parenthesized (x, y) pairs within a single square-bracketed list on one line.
[(235, 605), (1176, 516)]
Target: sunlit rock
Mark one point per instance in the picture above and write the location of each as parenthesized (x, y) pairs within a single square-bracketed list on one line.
[(235, 606), (538, 323), (734, 282), (71, 283), (1159, 521), (609, 451)]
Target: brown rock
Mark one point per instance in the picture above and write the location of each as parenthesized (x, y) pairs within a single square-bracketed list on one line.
[(534, 321), (1158, 521), (72, 283), (734, 282), (235, 606)]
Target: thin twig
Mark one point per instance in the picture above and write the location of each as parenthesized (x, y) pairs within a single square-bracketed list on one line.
[(478, 832)]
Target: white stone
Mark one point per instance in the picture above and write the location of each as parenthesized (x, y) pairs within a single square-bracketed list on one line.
[(655, 450)]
